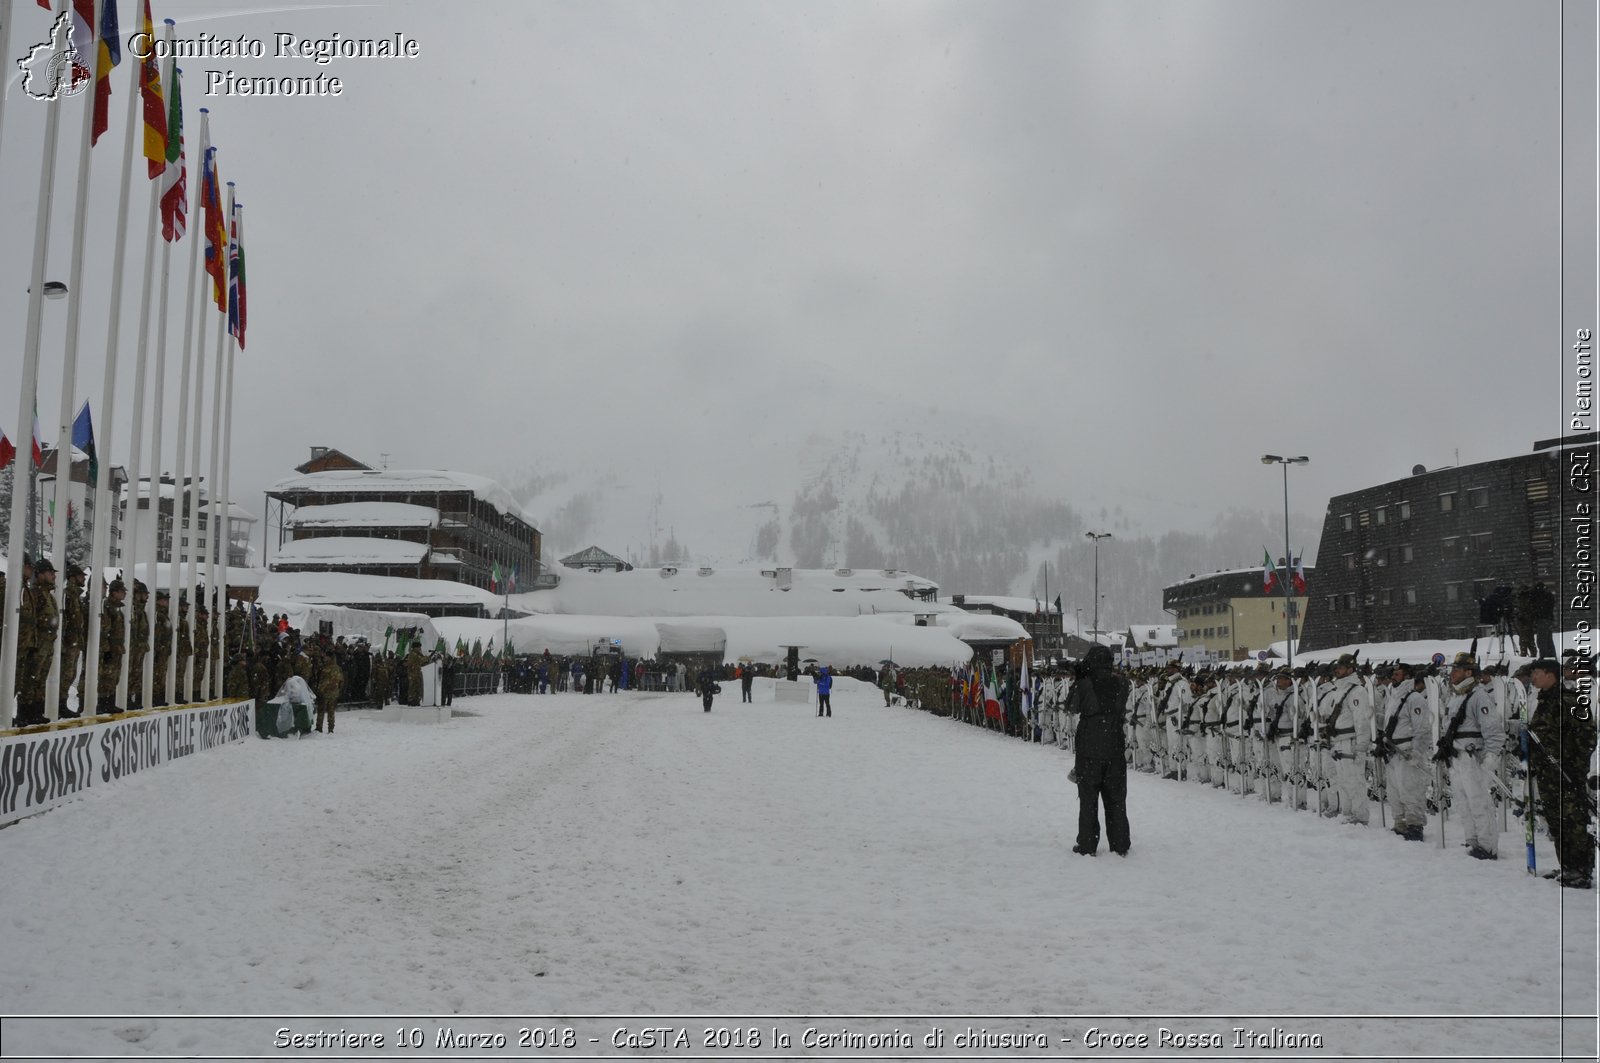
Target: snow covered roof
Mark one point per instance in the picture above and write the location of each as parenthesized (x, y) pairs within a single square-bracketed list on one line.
[(592, 556), (170, 490), (382, 481), (349, 550), (1012, 603), (1154, 634), (349, 588), (696, 591), (842, 641), (364, 515)]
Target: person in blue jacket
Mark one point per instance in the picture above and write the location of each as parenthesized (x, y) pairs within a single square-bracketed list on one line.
[(824, 680)]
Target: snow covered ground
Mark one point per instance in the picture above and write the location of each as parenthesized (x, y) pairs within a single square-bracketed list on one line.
[(630, 854)]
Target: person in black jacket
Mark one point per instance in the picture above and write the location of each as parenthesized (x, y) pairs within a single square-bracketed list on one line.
[(1100, 768)]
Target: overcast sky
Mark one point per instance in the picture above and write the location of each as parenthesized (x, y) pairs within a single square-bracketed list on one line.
[(1201, 230)]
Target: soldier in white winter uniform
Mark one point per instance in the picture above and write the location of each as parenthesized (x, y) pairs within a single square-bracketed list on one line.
[(1473, 739), (1171, 700), (1142, 711), (1403, 746), (1191, 732), (1278, 731), (1343, 713), (1209, 711)]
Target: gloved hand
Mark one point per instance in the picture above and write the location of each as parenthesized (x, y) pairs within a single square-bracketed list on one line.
[(1072, 776)]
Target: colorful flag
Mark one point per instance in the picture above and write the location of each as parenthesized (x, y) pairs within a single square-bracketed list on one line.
[(236, 303), (511, 586), (107, 54), (212, 223), (38, 447), (991, 698), (1269, 574), (83, 439), (494, 577), (1298, 579), (175, 176), (155, 105), (7, 451)]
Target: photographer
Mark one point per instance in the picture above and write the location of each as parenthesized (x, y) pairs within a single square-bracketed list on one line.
[(1100, 769)]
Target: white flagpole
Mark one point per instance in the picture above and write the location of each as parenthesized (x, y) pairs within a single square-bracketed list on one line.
[(130, 551), (26, 395), (158, 404), (197, 666), (69, 390), (219, 615), (212, 685), (8, 11), (105, 514), (182, 500)]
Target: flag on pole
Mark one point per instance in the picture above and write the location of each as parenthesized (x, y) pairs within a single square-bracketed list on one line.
[(83, 439), (494, 577), (1058, 605), (236, 304), (154, 103), (103, 49), (511, 586), (1269, 574), (7, 450), (175, 176), (38, 447), (1298, 579), (215, 230)]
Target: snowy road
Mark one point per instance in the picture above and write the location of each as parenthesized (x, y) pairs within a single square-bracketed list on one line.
[(631, 854)]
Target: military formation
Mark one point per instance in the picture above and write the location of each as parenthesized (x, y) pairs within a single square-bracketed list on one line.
[(1372, 744)]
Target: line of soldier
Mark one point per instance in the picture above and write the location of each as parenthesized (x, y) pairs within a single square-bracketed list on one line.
[(1345, 736), (41, 625)]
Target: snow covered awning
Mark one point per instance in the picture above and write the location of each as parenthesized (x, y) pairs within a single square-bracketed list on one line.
[(364, 515), (349, 550)]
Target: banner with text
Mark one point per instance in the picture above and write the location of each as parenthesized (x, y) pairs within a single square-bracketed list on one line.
[(38, 771)]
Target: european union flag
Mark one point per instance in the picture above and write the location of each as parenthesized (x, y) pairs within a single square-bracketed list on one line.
[(83, 439)]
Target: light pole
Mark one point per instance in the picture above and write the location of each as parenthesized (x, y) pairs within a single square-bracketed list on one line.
[(1078, 611), (1288, 558), (1096, 536)]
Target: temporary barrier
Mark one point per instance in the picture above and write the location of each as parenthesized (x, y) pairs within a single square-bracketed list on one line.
[(42, 769)]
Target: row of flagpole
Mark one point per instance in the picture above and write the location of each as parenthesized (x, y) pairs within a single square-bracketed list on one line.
[(96, 34)]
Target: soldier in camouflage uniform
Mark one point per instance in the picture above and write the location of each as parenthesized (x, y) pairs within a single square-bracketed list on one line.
[(138, 644), (111, 648), (1562, 741), (36, 643), (202, 639), (414, 663), (74, 633), (185, 652), (163, 648), (330, 684), (382, 684)]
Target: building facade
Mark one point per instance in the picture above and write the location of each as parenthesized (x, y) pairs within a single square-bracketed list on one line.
[(1230, 615), (1413, 558), (426, 524), (194, 534)]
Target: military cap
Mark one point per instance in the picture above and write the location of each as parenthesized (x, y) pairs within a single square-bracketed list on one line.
[(1465, 660), (1527, 670), (1403, 666), (1282, 672), (1346, 660), (74, 570), (118, 587), (43, 565), (162, 592), (140, 588)]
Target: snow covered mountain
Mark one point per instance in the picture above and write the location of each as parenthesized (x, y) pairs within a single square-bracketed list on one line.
[(829, 474)]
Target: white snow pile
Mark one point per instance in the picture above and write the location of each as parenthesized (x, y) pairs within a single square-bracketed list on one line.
[(364, 515), (348, 550), (631, 855), (350, 588)]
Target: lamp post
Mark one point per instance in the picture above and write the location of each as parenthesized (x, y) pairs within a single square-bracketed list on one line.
[(1078, 612), (1096, 536), (1288, 558)]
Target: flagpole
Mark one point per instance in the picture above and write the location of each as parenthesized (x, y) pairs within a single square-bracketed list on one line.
[(8, 11), (130, 552), (105, 512), (219, 613), (69, 383), (183, 514), (197, 668), (216, 431), (27, 394), (158, 405)]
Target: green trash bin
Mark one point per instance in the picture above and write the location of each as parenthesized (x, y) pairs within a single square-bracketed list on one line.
[(269, 717)]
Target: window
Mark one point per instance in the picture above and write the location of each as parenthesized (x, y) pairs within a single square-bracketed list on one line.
[(1478, 498), (1222, 630), (1350, 601), (1370, 599), (1452, 592), (1385, 596), (1482, 588), (1450, 548), (1333, 603), (1404, 509), (1349, 562), (1410, 594), (1483, 543), (1447, 502), (1380, 516), (1406, 554), (1347, 522)]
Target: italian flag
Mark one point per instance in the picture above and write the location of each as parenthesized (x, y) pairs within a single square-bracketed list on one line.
[(1269, 574)]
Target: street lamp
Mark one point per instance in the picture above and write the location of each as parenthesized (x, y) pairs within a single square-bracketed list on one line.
[(1288, 558), (1078, 611), (1096, 536)]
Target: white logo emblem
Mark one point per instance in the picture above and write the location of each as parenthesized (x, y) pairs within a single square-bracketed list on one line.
[(55, 68)]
